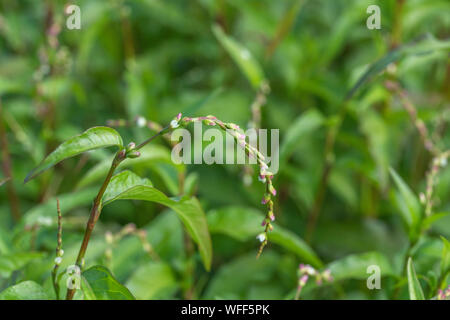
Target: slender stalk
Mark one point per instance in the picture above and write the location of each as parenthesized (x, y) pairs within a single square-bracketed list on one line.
[(97, 205), (58, 251), (7, 170), (328, 166), (95, 214)]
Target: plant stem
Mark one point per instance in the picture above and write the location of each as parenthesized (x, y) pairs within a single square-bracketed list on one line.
[(95, 214), (97, 206), (58, 251), (328, 166), (7, 171)]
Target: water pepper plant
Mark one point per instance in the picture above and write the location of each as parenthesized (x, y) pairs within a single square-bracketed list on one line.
[(127, 185)]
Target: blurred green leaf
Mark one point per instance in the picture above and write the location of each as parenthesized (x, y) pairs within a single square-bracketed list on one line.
[(445, 262), (104, 286), (412, 213), (154, 280), (242, 57), (355, 266), (425, 45), (45, 213), (302, 126), (245, 223), (26, 290), (150, 154), (415, 290), (16, 261), (93, 138)]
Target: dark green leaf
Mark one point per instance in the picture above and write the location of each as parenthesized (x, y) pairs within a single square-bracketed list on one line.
[(104, 286)]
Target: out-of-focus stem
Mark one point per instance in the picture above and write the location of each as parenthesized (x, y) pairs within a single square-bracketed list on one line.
[(7, 170), (58, 251)]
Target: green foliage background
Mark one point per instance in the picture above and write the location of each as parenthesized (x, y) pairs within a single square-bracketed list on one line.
[(154, 59)]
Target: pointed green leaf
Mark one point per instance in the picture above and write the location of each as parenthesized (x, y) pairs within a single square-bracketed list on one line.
[(245, 223), (411, 210), (415, 290), (445, 262), (242, 57), (26, 290), (188, 210), (104, 286), (303, 125), (424, 45), (93, 138)]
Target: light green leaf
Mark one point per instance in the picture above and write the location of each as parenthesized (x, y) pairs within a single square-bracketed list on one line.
[(429, 221), (188, 210), (16, 261), (104, 286), (242, 57), (45, 213), (445, 262), (93, 138), (154, 280), (26, 290), (411, 211), (415, 290), (355, 266), (304, 124), (245, 223)]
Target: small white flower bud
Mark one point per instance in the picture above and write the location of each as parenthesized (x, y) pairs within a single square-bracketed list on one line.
[(141, 122), (261, 237), (58, 261)]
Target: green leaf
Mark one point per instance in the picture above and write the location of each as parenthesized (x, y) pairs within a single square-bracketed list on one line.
[(425, 45), (303, 125), (445, 262), (41, 213), (26, 290), (355, 266), (411, 210), (188, 210), (93, 138), (104, 286), (429, 221), (121, 182), (154, 280), (415, 290), (242, 57), (16, 261), (245, 223), (235, 278)]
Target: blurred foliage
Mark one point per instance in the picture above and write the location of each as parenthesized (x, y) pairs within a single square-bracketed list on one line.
[(353, 166)]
